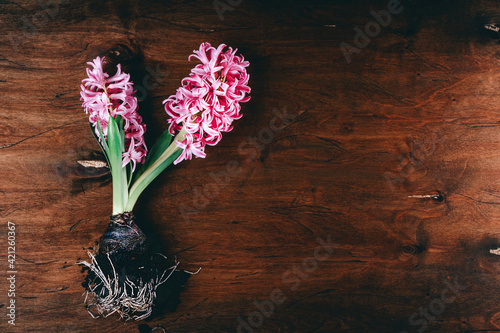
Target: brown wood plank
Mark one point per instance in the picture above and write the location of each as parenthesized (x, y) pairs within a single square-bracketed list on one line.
[(415, 113)]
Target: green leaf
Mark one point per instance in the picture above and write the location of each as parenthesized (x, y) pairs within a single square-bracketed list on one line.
[(130, 174), (103, 139), (147, 177), (159, 147), (116, 148), (114, 141), (93, 133), (102, 143), (156, 166), (119, 123)]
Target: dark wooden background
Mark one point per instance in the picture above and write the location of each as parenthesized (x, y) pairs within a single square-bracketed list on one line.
[(394, 156)]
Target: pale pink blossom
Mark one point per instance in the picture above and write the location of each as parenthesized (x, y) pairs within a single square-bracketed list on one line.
[(208, 100), (103, 96)]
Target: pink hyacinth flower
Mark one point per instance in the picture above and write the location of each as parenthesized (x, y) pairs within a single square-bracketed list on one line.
[(103, 96), (208, 100)]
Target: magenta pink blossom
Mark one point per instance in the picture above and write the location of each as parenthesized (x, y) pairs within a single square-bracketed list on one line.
[(208, 100), (103, 96)]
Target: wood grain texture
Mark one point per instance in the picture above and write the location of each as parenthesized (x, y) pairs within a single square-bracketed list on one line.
[(414, 114)]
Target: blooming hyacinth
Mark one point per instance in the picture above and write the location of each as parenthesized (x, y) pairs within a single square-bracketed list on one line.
[(208, 100), (103, 96)]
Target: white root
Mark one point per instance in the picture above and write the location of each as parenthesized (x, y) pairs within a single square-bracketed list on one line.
[(132, 301)]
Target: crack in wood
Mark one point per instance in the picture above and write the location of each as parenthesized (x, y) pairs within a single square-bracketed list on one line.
[(77, 223), (35, 135)]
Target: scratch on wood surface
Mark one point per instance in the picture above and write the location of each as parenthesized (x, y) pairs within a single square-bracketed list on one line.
[(249, 274), (319, 326), (186, 249), (29, 137), (34, 262), (55, 290), (428, 62), (83, 50), (199, 303), (35, 135), (74, 225), (376, 86)]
